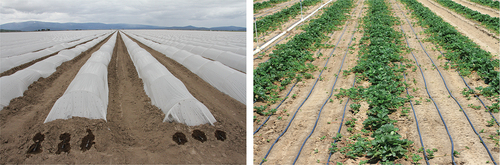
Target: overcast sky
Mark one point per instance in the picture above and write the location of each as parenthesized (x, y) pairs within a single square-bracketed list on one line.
[(202, 13)]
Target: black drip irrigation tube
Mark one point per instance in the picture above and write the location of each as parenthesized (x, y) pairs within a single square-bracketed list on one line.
[(331, 91), (437, 108), (465, 82), (297, 81), (286, 94), (293, 117), (449, 92), (411, 104), (416, 120)]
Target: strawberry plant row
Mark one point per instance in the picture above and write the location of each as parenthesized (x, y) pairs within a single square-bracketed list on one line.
[(271, 22), (490, 3), (380, 50), (492, 23), (287, 62), (465, 55), (267, 4)]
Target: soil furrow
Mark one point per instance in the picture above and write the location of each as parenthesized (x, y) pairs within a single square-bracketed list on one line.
[(478, 34)]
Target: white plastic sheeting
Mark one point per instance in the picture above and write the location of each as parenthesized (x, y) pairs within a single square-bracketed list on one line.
[(223, 54), (225, 79), (225, 41), (14, 85), (166, 91), (87, 95), (7, 63), (17, 43)]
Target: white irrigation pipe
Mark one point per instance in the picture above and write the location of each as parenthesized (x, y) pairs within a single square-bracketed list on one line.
[(87, 95), (287, 30)]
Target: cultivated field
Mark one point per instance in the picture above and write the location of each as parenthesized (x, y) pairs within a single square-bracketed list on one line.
[(120, 100), (377, 81)]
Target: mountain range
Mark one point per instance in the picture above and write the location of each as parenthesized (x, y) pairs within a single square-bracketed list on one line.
[(38, 25)]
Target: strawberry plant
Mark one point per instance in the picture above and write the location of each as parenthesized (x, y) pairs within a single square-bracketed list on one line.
[(287, 62)]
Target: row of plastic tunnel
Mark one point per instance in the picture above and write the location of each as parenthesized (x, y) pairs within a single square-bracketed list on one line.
[(87, 94)]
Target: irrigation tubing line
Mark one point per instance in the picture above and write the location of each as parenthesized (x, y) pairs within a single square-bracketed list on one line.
[(437, 108), (257, 130), (331, 91), (449, 92), (286, 94), (465, 82), (411, 104), (416, 119), (309, 94), (295, 82)]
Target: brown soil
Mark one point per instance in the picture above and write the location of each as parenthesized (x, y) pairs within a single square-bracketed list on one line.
[(478, 34), (134, 131)]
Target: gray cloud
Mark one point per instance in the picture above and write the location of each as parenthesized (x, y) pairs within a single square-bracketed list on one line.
[(206, 13)]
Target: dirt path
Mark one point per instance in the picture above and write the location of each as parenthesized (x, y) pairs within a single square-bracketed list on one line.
[(286, 149), (479, 8), (474, 32), (432, 129), (134, 131)]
